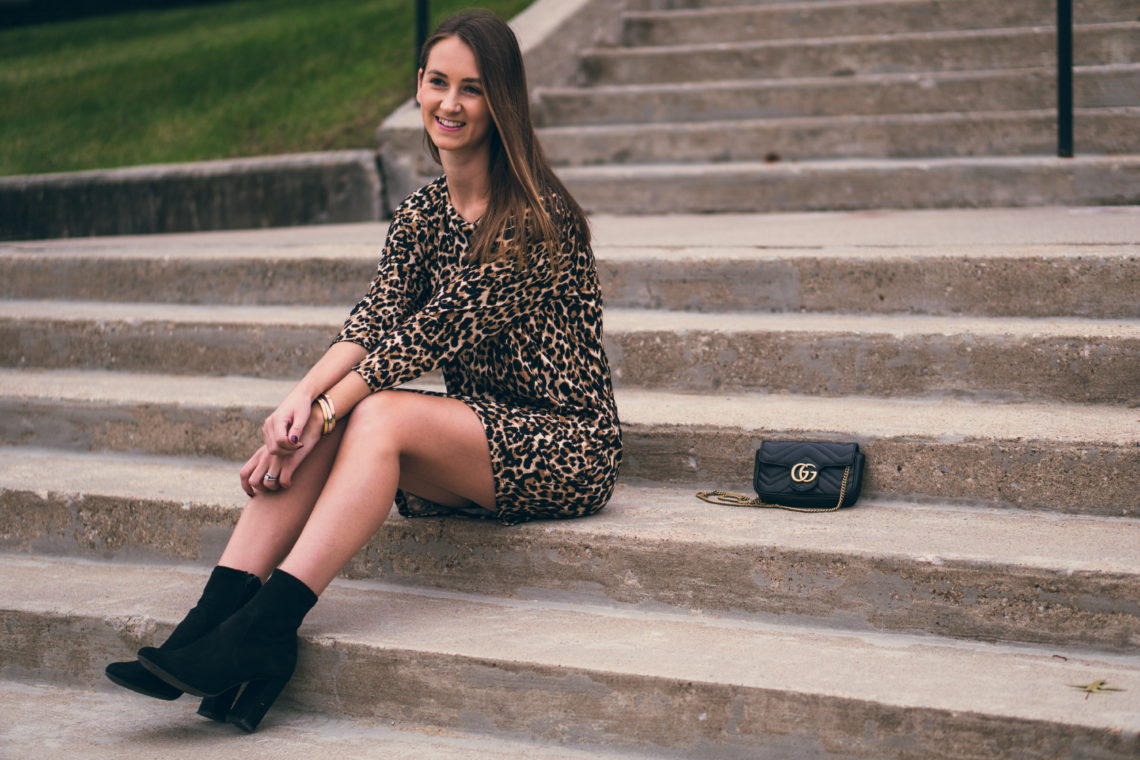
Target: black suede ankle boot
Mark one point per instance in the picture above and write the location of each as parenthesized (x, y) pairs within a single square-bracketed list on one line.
[(256, 646), (225, 593)]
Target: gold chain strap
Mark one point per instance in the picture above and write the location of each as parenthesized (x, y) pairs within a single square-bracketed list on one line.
[(729, 499)]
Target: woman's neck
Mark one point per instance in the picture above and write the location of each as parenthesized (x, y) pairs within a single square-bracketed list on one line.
[(468, 183)]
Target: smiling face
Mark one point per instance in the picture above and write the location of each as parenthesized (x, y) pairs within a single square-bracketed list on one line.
[(452, 99)]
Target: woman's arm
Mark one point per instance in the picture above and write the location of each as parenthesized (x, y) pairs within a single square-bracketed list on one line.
[(295, 426), (283, 429), (296, 423)]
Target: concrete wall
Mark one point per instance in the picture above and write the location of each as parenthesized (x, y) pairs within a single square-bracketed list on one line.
[(276, 191)]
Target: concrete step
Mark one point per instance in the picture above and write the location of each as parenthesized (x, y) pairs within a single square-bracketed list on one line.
[(605, 677), (1004, 133), (883, 356), (1022, 89), (665, 5), (1094, 44), (855, 184), (896, 566), (1073, 360), (1091, 281), (49, 721), (744, 23), (1010, 262), (1077, 459)]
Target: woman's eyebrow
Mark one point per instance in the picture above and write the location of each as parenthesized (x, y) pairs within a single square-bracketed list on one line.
[(438, 73)]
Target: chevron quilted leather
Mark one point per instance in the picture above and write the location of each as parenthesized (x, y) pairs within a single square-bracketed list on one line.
[(808, 474)]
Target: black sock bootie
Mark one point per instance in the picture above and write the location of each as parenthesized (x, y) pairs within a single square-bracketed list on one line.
[(225, 593), (256, 646)]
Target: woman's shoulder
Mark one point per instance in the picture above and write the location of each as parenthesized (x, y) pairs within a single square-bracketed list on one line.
[(429, 200)]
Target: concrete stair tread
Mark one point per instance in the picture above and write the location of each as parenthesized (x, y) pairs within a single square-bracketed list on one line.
[(806, 19), (937, 534), (992, 230), (725, 138), (107, 311), (796, 83), (361, 240), (654, 172), (928, 37), (623, 320), (54, 722), (984, 49), (616, 320), (1112, 85), (835, 97), (599, 643), (953, 118), (741, 238), (935, 419), (856, 184)]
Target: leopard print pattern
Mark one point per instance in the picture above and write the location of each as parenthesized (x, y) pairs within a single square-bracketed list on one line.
[(520, 345)]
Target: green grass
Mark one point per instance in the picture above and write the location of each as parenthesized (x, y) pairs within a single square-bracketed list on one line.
[(248, 78)]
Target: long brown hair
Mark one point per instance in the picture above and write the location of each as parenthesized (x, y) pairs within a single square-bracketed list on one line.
[(520, 173)]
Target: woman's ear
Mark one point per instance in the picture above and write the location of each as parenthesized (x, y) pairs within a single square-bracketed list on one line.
[(419, 84)]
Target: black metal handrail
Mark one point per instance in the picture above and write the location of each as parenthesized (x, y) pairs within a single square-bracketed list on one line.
[(1065, 78), (423, 11)]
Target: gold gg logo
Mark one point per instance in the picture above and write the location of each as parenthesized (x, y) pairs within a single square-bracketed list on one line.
[(804, 472)]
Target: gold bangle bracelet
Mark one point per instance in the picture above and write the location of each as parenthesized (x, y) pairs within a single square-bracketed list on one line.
[(328, 412), (324, 416)]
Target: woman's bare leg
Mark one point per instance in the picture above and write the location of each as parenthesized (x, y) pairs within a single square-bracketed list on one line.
[(432, 445), (272, 520)]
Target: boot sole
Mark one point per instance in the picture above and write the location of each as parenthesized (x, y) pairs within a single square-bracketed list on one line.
[(165, 696), (175, 682)]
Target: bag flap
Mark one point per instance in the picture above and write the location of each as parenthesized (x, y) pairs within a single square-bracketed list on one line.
[(820, 454)]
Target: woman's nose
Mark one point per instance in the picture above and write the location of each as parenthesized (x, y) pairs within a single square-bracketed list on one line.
[(450, 101)]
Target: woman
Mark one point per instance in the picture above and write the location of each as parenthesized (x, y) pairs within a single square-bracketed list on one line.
[(487, 274)]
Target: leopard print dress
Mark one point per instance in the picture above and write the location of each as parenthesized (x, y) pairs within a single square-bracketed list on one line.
[(520, 345)]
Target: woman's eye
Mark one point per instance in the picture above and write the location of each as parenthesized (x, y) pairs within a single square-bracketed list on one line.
[(474, 90)]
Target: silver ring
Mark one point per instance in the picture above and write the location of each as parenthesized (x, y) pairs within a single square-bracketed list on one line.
[(269, 477)]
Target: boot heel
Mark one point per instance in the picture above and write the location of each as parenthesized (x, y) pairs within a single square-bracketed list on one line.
[(218, 708), (255, 701)]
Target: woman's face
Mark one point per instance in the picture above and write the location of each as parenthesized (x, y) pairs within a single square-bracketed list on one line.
[(452, 99)]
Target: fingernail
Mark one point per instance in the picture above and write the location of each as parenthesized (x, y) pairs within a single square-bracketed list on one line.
[(294, 438)]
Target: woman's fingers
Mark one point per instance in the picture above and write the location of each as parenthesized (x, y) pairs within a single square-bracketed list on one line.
[(309, 440), (283, 429), (249, 473), (262, 473), (275, 432), (288, 467), (270, 472)]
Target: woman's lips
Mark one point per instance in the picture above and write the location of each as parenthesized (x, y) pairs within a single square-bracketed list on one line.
[(447, 125)]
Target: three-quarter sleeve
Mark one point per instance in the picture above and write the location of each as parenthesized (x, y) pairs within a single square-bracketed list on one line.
[(397, 290), (478, 302)]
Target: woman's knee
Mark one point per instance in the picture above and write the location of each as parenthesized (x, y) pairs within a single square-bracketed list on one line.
[(382, 415), (406, 419)]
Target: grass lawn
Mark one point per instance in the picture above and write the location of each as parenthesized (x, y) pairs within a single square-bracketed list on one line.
[(247, 78)]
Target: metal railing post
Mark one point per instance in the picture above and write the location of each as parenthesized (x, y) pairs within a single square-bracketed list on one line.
[(422, 13), (1065, 78)]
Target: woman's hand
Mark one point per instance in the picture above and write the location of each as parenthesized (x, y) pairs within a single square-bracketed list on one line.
[(281, 466), (283, 430)]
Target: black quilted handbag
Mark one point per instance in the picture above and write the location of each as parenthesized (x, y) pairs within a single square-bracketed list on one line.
[(803, 476)]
